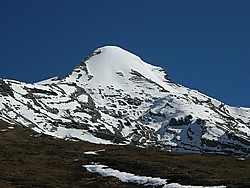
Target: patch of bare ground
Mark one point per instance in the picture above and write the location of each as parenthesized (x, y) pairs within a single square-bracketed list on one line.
[(44, 161)]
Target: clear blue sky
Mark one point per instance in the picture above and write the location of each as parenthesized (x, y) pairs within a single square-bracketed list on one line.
[(202, 44)]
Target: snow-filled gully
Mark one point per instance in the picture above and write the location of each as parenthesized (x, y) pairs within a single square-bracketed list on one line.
[(132, 178)]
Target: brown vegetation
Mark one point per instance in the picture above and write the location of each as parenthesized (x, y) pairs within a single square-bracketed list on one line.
[(44, 161)]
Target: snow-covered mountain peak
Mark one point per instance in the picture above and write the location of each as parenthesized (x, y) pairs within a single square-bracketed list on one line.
[(116, 52), (112, 65), (113, 96)]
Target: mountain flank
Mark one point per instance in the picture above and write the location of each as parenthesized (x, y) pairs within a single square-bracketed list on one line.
[(114, 97), (30, 159)]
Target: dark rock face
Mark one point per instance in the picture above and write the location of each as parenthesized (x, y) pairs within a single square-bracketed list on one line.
[(5, 90), (182, 121)]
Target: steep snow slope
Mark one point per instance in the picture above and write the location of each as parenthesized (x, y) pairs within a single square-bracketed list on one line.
[(113, 65), (112, 96)]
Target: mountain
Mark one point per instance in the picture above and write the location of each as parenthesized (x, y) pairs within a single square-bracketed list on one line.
[(113, 97)]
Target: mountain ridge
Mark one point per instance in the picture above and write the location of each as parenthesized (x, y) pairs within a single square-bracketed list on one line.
[(113, 97)]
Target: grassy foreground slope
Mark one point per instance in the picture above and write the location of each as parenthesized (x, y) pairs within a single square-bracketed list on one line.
[(29, 160)]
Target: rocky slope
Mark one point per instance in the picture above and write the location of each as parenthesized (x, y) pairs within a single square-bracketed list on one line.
[(113, 97)]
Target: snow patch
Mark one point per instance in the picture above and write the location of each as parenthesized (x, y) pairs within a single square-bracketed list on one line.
[(132, 178), (93, 152), (124, 176), (90, 153)]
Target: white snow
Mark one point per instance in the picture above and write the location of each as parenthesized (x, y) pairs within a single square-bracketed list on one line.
[(7, 119), (93, 152), (132, 178), (83, 98), (124, 176), (90, 153), (113, 66)]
